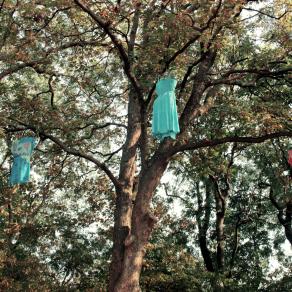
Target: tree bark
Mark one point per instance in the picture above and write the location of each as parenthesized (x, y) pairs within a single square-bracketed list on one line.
[(121, 230), (142, 225), (284, 214), (235, 245), (286, 220), (220, 236), (220, 199), (203, 225), (124, 195), (206, 253)]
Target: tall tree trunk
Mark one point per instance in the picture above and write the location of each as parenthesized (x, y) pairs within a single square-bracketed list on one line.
[(220, 237), (124, 199), (220, 216), (203, 224), (121, 230), (235, 245), (206, 253), (124, 195), (142, 225), (220, 200)]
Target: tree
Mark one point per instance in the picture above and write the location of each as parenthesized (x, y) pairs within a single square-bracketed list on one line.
[(277, 178), (228, 215), (69, 65)]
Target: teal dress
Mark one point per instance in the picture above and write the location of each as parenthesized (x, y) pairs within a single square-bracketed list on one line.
[(165, 120), (21, 150)]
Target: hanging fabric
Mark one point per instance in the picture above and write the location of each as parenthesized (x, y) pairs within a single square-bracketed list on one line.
[(290, 156), (21, 150), (165, 120)]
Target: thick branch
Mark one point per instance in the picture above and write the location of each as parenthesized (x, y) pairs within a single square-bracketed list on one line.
[(51, 90), (199, 85), (35, 63), (185, 47), (192, 145), (118, 45), (278, 205), (16, 68), (173, 195), (49, 20), (133, 34), (74, 152), (1, 5), (78, 153), (239, 74), (267, 14)]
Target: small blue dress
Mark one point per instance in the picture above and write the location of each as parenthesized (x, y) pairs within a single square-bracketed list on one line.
[(21, 150), (165, 119)]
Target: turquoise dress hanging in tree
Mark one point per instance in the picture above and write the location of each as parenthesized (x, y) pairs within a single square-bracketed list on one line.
[(21, 150), (165, 120)]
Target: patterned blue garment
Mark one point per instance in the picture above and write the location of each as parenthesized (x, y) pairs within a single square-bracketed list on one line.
[(21, 150), (165, 120)]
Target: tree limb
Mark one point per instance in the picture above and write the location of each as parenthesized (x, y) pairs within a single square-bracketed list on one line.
[(18, 67), (35, 63), (122, 53), (267, 14), (192, 145), (74, 152)]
